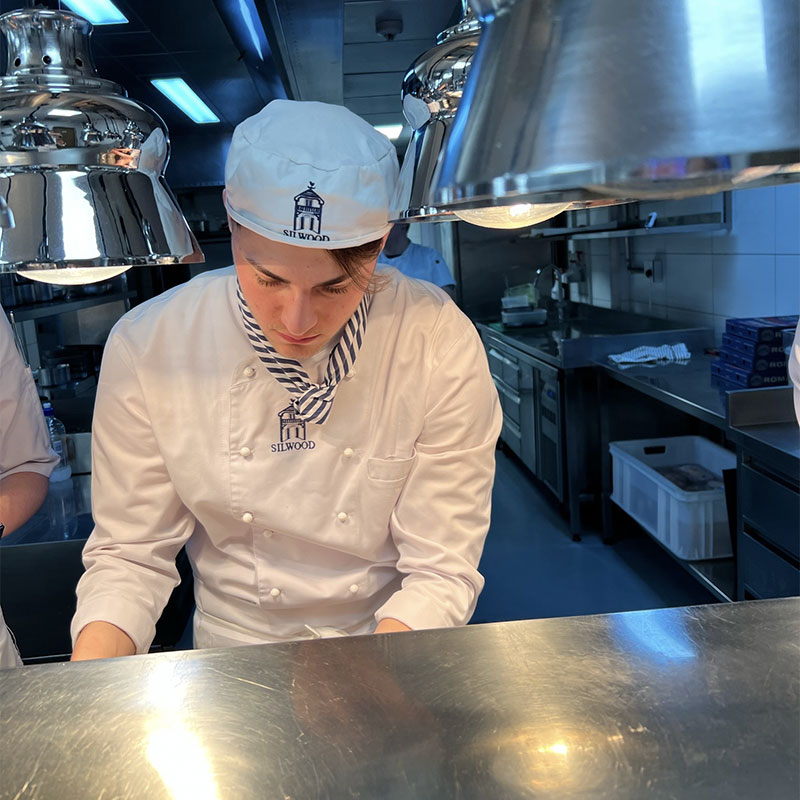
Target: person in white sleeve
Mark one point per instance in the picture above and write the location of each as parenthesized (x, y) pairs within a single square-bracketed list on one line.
[(794, 371), (320, 436), (26, 458)]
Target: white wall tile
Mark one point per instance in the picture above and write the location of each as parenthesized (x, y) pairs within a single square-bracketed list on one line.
[(647, 245), (602, 302), (601, 277), (649, 309), (744, 285), (719, 326), (598, 248), (787, 219), (787, 284), (689, 282), (753, 215), (696, 319), (644, 290)]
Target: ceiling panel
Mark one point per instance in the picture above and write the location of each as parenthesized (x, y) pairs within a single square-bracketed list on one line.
[(372, 85), (385, 104), (420, 18), (394, 56)]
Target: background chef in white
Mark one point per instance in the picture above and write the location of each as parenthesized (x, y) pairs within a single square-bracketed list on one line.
[(320, 437), (26, 458)]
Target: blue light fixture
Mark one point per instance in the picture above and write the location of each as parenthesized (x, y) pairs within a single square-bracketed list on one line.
[(180, 93), (98, 12)]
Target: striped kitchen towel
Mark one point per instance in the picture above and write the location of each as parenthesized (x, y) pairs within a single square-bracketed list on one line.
[(646, 354)]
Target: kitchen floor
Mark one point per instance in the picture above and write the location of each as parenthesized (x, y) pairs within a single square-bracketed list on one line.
[(533, 569)]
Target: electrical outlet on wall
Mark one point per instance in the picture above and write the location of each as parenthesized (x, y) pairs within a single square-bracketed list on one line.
[(654, 270)]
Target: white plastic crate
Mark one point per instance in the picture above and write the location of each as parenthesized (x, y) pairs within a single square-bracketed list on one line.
[(693, 525)]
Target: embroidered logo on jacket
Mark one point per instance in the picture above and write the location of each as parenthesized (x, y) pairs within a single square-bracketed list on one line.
[(293, 433), (307, 216)]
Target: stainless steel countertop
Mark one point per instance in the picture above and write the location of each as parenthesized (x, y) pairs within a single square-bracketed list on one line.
[(778, 444), (593, 334), (687, 387), (683, 703)]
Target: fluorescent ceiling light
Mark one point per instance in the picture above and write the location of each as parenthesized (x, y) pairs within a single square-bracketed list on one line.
[(180, 93), (249, 16), (390, 131), (65, 112), (98, 12)]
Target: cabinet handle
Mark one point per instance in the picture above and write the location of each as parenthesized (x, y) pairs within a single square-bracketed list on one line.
[(507, 361), (510, 395)]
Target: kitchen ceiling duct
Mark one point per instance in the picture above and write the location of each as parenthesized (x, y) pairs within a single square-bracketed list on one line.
[(628, 98), (81, 165), (431, 93)]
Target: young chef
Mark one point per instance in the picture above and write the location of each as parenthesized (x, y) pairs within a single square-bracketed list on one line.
[(26, 458), (320, 438)]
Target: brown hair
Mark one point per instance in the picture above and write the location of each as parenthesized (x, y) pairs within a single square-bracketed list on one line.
[(352, 260)]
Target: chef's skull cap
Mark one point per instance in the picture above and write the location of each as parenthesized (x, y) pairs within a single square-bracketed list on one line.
[(310, 174)]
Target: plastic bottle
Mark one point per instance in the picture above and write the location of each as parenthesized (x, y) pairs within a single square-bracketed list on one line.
[(58, 441), (60, 498)]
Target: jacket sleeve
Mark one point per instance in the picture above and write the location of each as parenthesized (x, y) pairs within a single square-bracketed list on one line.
[(440, 521), (24, 441), (794, 371), (140, 521)]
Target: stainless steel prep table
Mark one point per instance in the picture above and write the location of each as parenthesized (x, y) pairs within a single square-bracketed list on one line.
[(675, 703)]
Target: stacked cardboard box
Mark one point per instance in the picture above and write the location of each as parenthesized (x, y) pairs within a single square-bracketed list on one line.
[(753, 353)]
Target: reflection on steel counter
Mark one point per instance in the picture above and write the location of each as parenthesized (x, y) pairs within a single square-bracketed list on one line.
[(657, 704)]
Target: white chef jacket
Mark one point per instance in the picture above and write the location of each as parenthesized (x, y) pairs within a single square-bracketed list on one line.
[(794, 371), (24, 440), (381, 512)]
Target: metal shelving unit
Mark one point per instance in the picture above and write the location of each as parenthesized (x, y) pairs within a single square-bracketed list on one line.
[(56, 307)]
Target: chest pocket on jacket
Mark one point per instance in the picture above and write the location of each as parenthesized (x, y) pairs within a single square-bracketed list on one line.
[(385, 480), (388, 470)]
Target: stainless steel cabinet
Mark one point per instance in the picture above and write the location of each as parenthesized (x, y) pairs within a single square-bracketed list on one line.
[(769, 531), (550, 438), (531, 399)]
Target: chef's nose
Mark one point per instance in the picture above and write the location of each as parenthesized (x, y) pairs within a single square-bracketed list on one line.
[(299, 316)]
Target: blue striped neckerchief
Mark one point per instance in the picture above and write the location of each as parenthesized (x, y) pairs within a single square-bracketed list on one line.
[(312, 402)]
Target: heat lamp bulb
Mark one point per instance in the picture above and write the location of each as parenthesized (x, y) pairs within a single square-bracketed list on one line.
[(72, 276), (520, 215)]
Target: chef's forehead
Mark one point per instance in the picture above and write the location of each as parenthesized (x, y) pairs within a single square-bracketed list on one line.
[(356, 262)]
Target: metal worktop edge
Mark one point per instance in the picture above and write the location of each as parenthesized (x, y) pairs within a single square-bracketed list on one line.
[(694, 702)]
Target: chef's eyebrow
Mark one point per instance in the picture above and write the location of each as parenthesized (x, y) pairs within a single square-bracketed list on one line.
[(278, 279)]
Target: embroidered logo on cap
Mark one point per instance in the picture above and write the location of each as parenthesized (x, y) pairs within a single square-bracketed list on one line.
[(293, 433), (308, 216)]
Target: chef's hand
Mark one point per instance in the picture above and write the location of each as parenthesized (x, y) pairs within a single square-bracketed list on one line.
[(390, 625), (102, 640)]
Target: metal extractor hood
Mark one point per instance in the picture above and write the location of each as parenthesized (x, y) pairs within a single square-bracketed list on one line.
[(625, 98), (81, 165), (431, 91)]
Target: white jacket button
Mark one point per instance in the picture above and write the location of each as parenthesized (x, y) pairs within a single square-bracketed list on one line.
[(341, 516), (249, 372), (354, 589), (245, 452), (348, 452), (247, 517), (276, 592), (351, 374)]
